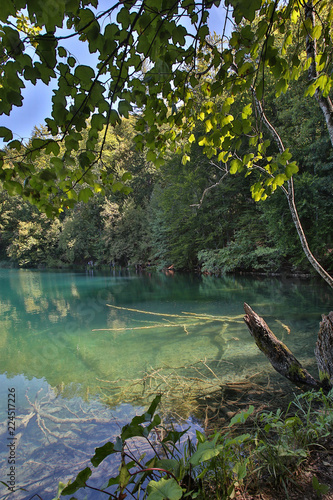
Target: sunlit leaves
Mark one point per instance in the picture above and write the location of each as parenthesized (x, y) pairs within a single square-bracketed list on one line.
[(291, 169), (323, 83), (258, 192), (164, 488), (236, 165)]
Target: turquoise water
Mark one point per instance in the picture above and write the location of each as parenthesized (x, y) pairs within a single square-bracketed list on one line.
[(97, 346)]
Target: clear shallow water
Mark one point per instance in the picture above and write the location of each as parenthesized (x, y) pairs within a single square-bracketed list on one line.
[(83, 345)]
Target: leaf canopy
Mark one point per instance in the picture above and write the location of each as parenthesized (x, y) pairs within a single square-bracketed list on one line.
[(155, 58)]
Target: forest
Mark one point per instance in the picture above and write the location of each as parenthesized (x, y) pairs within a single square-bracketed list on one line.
[(162, 220)]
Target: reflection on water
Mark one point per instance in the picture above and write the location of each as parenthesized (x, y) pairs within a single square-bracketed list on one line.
[(87, 339), (59, 326)]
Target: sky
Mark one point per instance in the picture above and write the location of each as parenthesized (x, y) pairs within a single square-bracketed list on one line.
[(37, 102)]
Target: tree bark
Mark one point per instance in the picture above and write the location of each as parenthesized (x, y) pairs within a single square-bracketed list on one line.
[(324, 350), (280, 357)]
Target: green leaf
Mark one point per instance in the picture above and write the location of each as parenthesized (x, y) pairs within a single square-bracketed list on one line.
[(126, 176), (208, 126), (52, 126), (6, 134), (103, 452), (62, 52), (98, 121), (281, 87), (124, 107), (124, 18), (164, 489), (291, 169), (320, 488), (78, 483), (178, 35), (85, 159), (15, 145), (185, 159), (247, 111), (237, 440), (117, 186), (236, 166), (206, 451), (32, 74), (241, 417), (240, 470), (47, 175), (124, 475), (85, 194), (57, 162), (71, 61), (52, 147), (152, 408), (13, 187), (84, 73), (284, 157), (169, 464), (151, 155)]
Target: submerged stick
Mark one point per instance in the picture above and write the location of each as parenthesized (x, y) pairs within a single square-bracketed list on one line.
[(187, 315), (279, 355), (157, 325)]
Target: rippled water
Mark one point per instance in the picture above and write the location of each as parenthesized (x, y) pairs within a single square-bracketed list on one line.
[(98, 346)]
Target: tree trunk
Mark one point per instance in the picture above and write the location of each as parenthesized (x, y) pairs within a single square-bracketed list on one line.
[(283, 360), (324, 350), (325, 103), (305, 247), (290, 195)]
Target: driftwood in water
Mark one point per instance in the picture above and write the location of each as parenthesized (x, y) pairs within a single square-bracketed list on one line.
[(280, 356), (324, 350)]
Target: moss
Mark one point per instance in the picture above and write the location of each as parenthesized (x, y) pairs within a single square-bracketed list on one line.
[(323, 376), (295, 370)]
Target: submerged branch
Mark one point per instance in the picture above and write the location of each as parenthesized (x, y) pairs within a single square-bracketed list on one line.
[(186, 315)]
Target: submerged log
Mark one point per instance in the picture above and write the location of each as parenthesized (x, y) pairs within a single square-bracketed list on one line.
[(324, 350), (279, 355)]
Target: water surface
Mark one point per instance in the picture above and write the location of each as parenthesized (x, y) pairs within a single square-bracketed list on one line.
[(85, 346)]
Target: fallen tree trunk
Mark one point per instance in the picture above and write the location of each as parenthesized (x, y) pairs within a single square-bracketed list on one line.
[(283, 360)]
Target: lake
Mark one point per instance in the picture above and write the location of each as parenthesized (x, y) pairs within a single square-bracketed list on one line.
[(84, 352)]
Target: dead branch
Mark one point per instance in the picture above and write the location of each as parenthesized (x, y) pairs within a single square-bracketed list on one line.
[(280, 357)]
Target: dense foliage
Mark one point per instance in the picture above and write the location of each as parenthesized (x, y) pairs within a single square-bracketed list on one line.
[(162, 222)]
